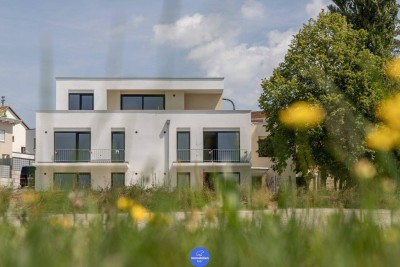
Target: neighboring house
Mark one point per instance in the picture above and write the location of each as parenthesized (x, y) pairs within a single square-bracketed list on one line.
[(13, 140), (108, 132), (262, 173)]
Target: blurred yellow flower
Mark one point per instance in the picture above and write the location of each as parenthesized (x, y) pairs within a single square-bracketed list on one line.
[(391, 235), (160, 219), (389, 111), (388, 185), (364, 169), (392, 68), (30, 197), (382, 138), (124, 203), (61, 222), (139, 213), (302, 115)]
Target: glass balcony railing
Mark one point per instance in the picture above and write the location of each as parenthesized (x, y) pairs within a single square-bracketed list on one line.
[(212, 155), (89, 155)]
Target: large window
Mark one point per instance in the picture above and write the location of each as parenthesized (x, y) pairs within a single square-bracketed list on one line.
[(117, 179), (221, 146), (183, 146), (80, 101), (142, 102), (183, 180), (72, 146), (2, 135), (210, 179), (118, 146), (70, 181)]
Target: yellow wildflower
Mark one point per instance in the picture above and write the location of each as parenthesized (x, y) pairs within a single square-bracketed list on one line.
[(124, 203), (382, 138), (30, 197), (389, 111), (302, 115), (391, 235), (388, 185), (392, 68), (139, 213), (61, 222), (364, 169)]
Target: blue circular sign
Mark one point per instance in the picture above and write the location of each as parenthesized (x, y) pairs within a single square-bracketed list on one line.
[(200, 257)]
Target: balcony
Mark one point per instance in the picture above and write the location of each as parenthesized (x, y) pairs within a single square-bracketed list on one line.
[(89, 155), (213, 155)]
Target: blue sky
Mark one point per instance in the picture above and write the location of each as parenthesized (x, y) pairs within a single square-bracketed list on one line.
[(241, 40)]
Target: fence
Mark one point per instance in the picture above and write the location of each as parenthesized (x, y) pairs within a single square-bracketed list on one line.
[(13, 164)]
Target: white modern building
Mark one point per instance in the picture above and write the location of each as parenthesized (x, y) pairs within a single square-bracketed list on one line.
[(108, 132)]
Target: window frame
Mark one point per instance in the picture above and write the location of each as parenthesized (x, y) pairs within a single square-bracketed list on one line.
[(77, 147), (3, 134), (180, 187), (142, 96), (114, 156), (76, 184), (177, 146), (80, 100), (117, 173)]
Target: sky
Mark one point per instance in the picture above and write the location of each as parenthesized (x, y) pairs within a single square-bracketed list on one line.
[(240, 40)]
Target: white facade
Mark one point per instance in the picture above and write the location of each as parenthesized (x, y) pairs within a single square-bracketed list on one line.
[(150, 152)]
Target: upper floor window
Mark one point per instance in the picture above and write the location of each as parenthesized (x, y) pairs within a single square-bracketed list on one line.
[(2, 136), (142, 102), (79, 101)]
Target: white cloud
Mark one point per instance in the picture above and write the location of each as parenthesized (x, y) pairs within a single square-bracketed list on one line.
[(315, 7), (220, 54), (253, 9), (189, 31)]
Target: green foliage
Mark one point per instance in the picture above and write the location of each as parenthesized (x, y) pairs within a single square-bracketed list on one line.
[(328, 64), (377, 17)]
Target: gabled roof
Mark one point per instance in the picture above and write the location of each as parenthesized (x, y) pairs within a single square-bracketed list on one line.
[(3, 110)]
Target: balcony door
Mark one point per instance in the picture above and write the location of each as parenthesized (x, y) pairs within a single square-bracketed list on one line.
[(72, 146), (183, 146), (118, 146), (221, 146)]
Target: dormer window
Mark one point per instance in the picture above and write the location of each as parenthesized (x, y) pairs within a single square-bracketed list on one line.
[(142, 102), (79, 101)]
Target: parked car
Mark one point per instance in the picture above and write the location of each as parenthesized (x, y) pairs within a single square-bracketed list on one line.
[(27, 177)]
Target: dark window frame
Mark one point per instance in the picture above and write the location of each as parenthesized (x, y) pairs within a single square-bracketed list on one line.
[(205, 157), (177, 142), (112, 184), (80, 100), (76, 179), (142, 97), (115, 157), (177, 176), (76, 144)]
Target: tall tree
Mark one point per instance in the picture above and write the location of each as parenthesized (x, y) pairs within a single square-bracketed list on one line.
[(327, 64), (377, 17)]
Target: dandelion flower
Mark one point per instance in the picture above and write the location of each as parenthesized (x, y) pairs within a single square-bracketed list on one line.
[(382, 138), (392, 68), (389, 111), (139, 213), (302, 115), (364, 169), (124, 203)]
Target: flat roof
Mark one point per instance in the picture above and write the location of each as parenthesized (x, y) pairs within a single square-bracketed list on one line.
[(143, 78)]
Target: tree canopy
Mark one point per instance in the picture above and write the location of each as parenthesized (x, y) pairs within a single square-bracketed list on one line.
[(327, 64), (377, 17)]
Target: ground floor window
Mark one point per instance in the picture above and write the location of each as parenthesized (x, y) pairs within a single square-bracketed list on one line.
[(183, 180), (210, 178), (70, 181), (117, 179)]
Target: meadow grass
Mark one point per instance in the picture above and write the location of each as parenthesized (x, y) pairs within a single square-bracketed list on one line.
[(30, 234)]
